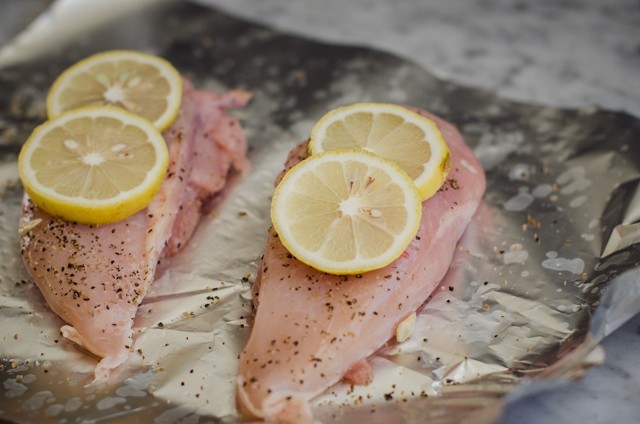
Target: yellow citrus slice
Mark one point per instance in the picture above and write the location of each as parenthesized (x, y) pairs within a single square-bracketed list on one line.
[(394, 132), (94, 165), (141, 83), (346, 211)]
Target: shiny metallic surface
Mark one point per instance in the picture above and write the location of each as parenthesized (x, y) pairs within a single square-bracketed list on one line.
[(519, 304), (17, 15)]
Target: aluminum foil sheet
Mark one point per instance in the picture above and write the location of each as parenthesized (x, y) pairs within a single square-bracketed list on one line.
[(547, 268)]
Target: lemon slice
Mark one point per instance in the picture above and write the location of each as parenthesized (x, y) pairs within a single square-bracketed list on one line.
[(94, 165), (141, 83), (394, 132), (346, 211)]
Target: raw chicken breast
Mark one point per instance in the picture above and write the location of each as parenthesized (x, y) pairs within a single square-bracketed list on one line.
[(94, 278), (313, 329)]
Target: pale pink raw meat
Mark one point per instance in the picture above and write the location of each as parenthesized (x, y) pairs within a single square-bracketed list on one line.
[(313, 329), (95, 278)]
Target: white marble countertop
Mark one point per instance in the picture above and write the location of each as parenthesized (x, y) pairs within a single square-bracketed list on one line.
[(554, 52), (569, 53)]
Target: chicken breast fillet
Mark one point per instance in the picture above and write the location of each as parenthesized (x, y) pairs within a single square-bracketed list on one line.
[(313, 329), (95, 277)]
